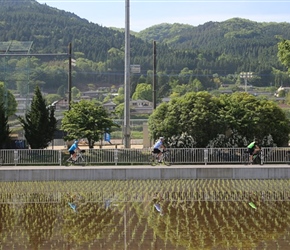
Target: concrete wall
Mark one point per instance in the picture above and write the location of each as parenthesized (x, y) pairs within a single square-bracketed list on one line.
[(55, 173)]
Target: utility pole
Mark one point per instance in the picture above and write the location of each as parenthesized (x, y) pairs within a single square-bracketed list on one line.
[(127, 77), (154, 75), (69, 74)]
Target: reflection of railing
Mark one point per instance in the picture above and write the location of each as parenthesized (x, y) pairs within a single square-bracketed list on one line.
[(279, 195), (20, 198), (123, 156), (116, 197)]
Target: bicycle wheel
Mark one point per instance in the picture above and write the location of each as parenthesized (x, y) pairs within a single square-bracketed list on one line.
[(257, 160), (166, 159), (80, 161), (69, 161), (152, 160)]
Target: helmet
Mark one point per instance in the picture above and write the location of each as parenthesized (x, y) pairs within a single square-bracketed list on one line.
[(161, 138), (76, 141)]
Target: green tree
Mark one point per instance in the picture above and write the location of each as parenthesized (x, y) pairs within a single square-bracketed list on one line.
[(39, 123), (76, 93), (120, 97), (197, 85), (184, 75), (143, 92), (195, 114), (119, 110), (284, 53), (8, 100), (250, 117), (238, 117), (4, 127), (87, 119)]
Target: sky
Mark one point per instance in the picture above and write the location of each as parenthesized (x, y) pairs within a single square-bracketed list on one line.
[(146, 13)]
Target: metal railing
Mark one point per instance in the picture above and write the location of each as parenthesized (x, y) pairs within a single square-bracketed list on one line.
[(22, 157)]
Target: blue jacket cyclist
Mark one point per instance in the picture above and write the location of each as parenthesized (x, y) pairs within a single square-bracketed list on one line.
[(72, 150)]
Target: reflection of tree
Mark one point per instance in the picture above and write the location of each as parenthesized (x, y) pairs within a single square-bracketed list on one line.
[(38, 220), (89, 223), (207, 225), (148, 238), (7, 221), (109, 220)]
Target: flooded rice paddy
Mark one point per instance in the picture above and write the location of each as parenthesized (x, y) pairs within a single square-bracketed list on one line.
[(173, 214)]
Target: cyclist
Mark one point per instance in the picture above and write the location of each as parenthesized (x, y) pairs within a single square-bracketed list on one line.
[(158, 147), (73, 148), (253, 149)]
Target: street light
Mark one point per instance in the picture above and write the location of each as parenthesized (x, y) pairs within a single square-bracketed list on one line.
[(246, 76)]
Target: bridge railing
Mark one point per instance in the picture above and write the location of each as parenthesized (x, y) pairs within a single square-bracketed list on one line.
[(123, 156)]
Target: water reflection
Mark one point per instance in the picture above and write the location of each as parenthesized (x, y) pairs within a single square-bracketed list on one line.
[(181, 214)]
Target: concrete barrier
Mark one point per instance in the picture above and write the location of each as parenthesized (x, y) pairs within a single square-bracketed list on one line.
[(61, 173)]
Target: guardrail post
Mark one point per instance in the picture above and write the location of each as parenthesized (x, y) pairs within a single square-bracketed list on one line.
[(205, 156), (262, 156), (116, 156), (59, 157), (15, 157)]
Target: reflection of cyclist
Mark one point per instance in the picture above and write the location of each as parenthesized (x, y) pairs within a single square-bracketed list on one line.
[(158, 147), (253, 149), (73, 148)]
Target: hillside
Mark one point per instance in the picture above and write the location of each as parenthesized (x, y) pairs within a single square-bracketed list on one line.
[(214, 48), (217, 35), (51, 30)]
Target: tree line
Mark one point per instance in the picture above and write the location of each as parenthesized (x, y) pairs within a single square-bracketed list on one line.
[(215, 48), (192, 119)]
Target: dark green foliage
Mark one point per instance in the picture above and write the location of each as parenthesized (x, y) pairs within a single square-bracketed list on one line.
[(39, 123), (8, 100), (216, 47), (88, 120), (284, 53), (4, 127), (227, 47), (201, 120)]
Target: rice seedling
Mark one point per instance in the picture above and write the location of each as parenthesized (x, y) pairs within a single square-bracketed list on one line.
[(197, 214)]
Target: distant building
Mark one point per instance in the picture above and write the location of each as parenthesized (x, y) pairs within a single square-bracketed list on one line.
[(110, 106), (91, 94), (141, 107)]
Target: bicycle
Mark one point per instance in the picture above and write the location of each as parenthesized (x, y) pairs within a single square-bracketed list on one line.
[(80, 159), (164, 158), (256, 158)]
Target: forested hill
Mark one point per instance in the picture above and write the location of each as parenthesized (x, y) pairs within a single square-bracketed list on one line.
[(51, 30), (219, 36), (214, 48), (234, 39)]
